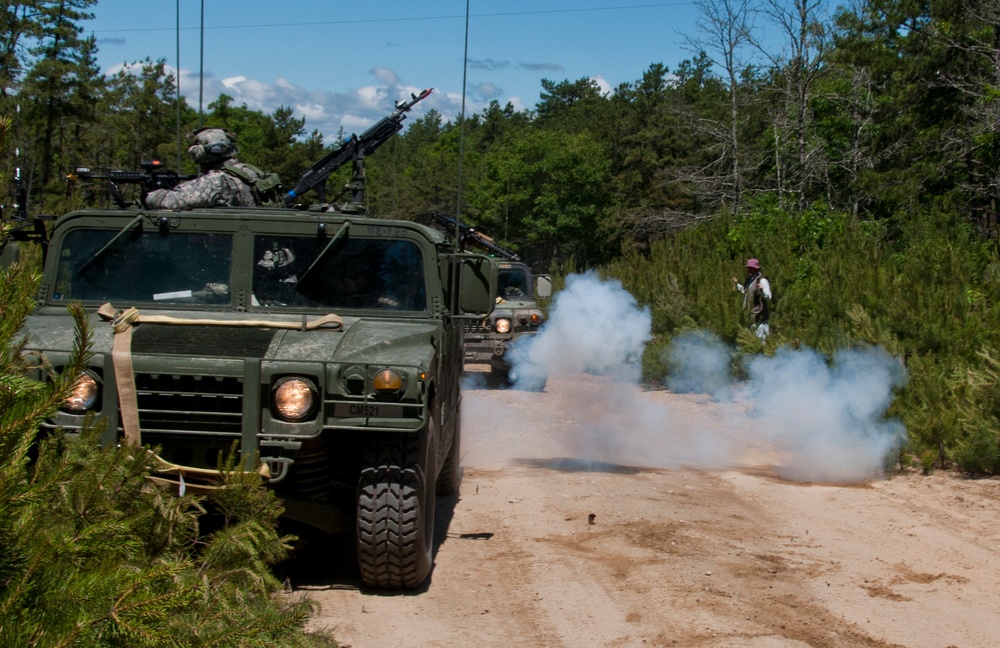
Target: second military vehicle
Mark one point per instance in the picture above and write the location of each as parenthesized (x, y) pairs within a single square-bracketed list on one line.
[(517, 317)]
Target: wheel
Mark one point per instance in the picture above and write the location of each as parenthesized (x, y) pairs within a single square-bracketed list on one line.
[(451, 472), (395, 513), (500, 377)]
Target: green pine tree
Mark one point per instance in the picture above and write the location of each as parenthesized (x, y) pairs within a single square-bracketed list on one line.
[(93, 554)]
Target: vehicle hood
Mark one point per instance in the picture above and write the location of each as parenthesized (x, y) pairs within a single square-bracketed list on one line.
[(368, 340), (516, 304)]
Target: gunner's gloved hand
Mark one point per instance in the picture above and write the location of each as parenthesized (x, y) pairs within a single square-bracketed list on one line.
[(144, 190)]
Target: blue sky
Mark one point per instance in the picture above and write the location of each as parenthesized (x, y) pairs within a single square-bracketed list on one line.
[(343, 64)]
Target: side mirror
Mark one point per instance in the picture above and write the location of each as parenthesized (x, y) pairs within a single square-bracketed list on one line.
[(479, 285), (9, 253), (543, 286)]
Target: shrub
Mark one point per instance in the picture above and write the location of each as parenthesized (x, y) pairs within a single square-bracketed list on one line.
[(93, 554)]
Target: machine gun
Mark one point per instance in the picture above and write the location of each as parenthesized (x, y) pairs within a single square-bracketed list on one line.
[(354, 150), (469, 236), (154, 175)]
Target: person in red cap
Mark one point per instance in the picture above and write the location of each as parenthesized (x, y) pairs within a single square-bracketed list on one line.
[(756, 292)]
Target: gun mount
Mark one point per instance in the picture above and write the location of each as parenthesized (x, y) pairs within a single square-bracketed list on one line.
[(354, 150), (155, 176), (470, 236)]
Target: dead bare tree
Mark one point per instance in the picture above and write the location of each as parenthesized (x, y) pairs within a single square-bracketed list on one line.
[(800, 58), (726, 33)]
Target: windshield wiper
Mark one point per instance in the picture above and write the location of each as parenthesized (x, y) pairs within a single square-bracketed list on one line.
[(312, 266), (110, 244)]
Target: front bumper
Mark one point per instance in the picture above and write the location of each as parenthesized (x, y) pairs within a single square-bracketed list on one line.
[(484, 349)]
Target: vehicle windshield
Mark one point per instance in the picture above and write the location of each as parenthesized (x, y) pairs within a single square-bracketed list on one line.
[(139, 265), (352, 273), (143, 265), (513, 284)]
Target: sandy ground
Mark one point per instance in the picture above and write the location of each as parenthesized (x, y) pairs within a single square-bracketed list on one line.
[(572, 533)]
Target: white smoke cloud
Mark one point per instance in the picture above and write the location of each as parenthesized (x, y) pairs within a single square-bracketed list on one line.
[(828, 417), (594, 327), (698, 362), (808, 418)]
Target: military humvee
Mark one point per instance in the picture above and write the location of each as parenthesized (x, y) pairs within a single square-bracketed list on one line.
[(516, 316), (326, 346)]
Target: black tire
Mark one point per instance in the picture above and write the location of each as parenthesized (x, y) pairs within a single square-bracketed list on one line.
[(450, 476), (395, 513), (499, 377)]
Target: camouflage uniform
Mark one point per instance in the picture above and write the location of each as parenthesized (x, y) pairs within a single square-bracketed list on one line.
[(224, 182), (216, 188)]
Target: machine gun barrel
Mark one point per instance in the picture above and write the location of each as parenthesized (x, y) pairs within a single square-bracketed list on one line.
[(154, 175), (467, 235), (355, 148)]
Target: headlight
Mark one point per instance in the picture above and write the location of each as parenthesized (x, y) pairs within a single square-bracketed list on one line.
[(84, 394), (294, 398), (503, 325), (387, 383)]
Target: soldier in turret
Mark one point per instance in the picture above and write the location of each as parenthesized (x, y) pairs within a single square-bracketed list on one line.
[(224, 180)]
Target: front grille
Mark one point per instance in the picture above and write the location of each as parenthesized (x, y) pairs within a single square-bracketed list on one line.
[(201, 341), (480, 328), (472, 326), (193, 404)]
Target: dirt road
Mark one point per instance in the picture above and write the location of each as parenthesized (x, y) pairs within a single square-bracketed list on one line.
[(572, 529)]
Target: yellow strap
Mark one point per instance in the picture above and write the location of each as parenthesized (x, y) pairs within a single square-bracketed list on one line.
[(163, 466), (121, 359), (131, 315), (121, 353), (181, 479)]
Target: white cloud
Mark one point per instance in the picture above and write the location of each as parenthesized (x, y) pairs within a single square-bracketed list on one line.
[(487, 91), (312, 112), (353, 123), (232, 82), (329, 112), (385, 75), (602, 83), (370, 95), (516, 102)]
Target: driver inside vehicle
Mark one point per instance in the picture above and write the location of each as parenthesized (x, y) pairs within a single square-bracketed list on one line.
[(511, 286), (356, 288)]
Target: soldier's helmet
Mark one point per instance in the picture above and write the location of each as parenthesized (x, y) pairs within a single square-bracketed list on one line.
[(212, 145)]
